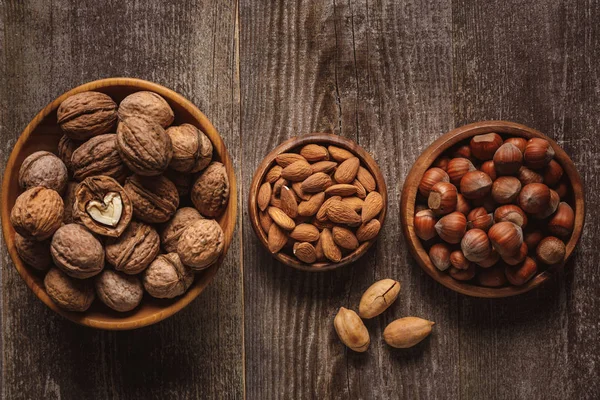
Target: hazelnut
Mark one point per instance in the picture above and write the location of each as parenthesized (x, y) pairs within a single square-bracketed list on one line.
[(34, 253), (66, 147), (430, 178), (551, 250), (462, 204), (458, 260), (552, 173), (520, 274), (506, 189), (425, 224), (452, 227), (552, 206), (134, 250), (506, 238), (508, 159), (442, 198), (441, 162), (147, 105), (562, 188), (463, 274), (538, 153), (562, 222), (488, 168), (201, 244), (43, 168), (210, 192), (492, 259), (68, 293), (511, 213), (492, 277), (475, 245), (533, 238), (517, 141), (192, 149), (37, 213), (527, 176), (172, 230), (475, 185), (167, 277), (457, 168), (87, 114), (98, 156), (479, 218), (154, 199), (182, 181), (534, 198), (119, 291), (517, 258), (483, 147), (439, 254), (462, 151), (77, 252)]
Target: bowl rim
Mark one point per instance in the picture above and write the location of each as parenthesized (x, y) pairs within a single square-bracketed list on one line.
[(443, 143), (227, 220), (291, 144)]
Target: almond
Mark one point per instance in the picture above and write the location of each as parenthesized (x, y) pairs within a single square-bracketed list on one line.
[(372, 207), (339, 154), (274, 174), (322, 213), (289, 205), (346, 172), (361, 192), (316, 183), (341, 213), (344, 238), (265, 221), (276, 238), (278, 185), (310, 207), (323, 224), (281, 218), (330, 249), (314, 152), (341, 189), (323, 166), (297, 186), (305, 233), (368, 231), (319, 250), (305, 252), (275, 202), (264, 196), (296, 172), (354, 202), (366, 179), (285, 159)]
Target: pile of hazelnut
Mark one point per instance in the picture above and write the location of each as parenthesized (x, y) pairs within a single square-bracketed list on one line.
[(103, 217), (496, 210)]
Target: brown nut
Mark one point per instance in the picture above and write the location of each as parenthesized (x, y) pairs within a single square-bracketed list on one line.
[(551, 250), (552, 206), (442, 198), (70, 215), (425, 224), (458, 260), (66, 147), (475, 185), (479, 218), (553, 173), (368, 231), (407, 332), (563, 188), (517, 258), (154, 199), (511, 213), (534, 198), (533, 238), (378, 297), (463, 274), (430, 178), (457, 168), (119, 291), (182, 181), (527, 176), (506, 238), (492, 277), (441, 162), (562, 222), (488, 168), (366, 179), (491, 260), (37, 213), (483, 147), (538, 153), (521, 274), (147, 105), (210, 192), (344, 238), (506, 189), (439, 254), (452, 227), (77, 252), (305, 252), (201, 244), (103, 206), (462, 151), (98, 156), (43, 168), (508, 159), (347, 170), (34, 253), (314, 152), (134, 250), (517, 141), (172, 230), (351, 330), (68, 293), (87, 114), (167, 277), (475, 245), (192, 149), (462, 204)]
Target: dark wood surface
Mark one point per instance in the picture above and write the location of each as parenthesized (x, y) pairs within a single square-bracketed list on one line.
[(393, 75)]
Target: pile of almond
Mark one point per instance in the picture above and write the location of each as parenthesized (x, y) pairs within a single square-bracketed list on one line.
[(319, 204)]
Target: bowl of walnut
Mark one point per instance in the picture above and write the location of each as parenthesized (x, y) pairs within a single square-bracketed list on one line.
[(317, 202), (493, 209), (118, 203)]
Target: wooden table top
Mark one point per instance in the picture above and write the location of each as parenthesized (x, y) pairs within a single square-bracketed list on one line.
[(392, 75)]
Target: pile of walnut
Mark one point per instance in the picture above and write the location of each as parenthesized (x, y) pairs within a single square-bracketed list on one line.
[(499, 208), (100, 234), (320, 203)]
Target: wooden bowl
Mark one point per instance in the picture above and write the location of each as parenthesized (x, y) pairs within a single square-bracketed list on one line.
[(296, 143), (43, 133), (409, 195)]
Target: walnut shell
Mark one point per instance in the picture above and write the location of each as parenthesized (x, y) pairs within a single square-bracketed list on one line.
[(201, 244), (134, 250), (210, 192), (70, 215), (37, 213), (147, 105), (66, 147), (119, 291), (77, 252), (99, 189), (99, 156), (33, 252), (192, 149), (144, 146), (154, 199), (167, 277), (43, 168), (173, 229), (87, 114), (182, 181), (68, 293)]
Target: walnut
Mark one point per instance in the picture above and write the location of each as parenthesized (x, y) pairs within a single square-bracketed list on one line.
[(43, 168), (201, 244), (66, 147), (103, 206), (33, 252), (192, 149), (70, 215), (167, 277), (154, 199), (134, 250), (119, 291), (37, 213), (77, 252), (68, 293), (210, 192), (173, 229), (144, 146), (147, 105), (182, 181), (99, 156), (87, 114)]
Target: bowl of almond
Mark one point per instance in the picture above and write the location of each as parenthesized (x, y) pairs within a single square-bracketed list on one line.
[(317, 202)]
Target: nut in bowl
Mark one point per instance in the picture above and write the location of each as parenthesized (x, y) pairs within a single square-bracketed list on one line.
[(492, 209), (317, 202)]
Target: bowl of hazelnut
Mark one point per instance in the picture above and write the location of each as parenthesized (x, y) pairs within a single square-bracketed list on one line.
[(317, 202), (492, 209), (118, 203)]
